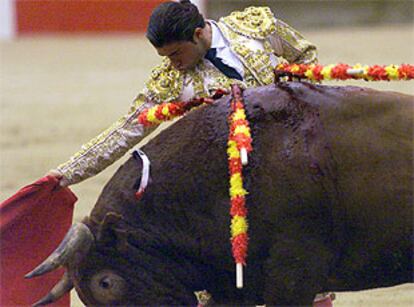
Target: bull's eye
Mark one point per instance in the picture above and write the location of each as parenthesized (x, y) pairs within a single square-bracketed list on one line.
[(107, 287), (105, 283)]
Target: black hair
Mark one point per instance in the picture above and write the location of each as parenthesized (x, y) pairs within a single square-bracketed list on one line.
[(173, 22)]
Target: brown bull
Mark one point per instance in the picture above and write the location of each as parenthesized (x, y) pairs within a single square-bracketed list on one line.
[(330, 205)]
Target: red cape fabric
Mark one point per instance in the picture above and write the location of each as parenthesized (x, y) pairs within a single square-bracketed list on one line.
[(325, 302), (32, 224)]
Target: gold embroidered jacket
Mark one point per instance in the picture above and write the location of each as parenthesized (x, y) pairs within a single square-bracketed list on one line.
[(255, 36)]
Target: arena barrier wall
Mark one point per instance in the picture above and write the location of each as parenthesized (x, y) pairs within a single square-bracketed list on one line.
[(23, 17)]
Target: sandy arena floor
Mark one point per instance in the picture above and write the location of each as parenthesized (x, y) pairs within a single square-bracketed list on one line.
[(57, 93)]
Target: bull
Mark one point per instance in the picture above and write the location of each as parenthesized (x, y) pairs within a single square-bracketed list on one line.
[(330, 205)]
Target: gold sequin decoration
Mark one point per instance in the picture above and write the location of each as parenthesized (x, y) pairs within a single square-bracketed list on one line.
[(257, 61), (165, 83), (253, 22), (198, 80), (218, 80), (250, 80), (267, 47)]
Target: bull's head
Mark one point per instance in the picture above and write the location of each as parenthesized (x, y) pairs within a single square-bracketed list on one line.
[(95, 284), (103, 264), (76, 244), (86, 269)]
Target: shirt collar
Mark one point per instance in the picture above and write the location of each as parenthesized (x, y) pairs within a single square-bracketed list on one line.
[(217, 39)]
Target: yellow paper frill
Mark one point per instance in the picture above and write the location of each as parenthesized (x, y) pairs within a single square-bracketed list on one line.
[(238, 226)]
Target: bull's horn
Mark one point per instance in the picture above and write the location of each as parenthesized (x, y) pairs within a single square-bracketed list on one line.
[(78, 238), (59, 290)]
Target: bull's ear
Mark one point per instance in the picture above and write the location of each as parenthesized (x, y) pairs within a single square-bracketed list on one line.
[(106, 230)]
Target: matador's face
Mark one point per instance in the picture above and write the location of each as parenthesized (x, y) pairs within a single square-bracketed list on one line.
[(185, 55)]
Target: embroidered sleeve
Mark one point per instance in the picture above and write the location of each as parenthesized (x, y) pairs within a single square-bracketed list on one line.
[(165, 84), (291, 45), (107, 147)]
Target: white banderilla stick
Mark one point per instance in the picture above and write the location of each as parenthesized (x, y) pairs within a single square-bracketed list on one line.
[(243, 156)]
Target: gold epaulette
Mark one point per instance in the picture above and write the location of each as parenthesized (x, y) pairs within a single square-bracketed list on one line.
[(165, 83), (253, 22)]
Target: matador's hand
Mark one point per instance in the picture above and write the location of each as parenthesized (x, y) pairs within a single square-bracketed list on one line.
[(63, 182)]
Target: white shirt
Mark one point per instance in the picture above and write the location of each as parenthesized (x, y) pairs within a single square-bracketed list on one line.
[(219, 42), (228, 57)]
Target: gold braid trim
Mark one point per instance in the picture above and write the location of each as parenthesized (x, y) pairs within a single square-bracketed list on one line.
[(253, 22), (166, 83), (257, 61), (259, 67)]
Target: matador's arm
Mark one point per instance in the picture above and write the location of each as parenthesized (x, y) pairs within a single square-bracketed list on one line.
[(291, 45), (109, 146), (164, 84)]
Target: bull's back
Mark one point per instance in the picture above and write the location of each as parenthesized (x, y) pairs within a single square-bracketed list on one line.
[(371, 137)]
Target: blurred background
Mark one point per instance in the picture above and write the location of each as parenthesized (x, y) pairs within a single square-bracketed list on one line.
[(69, 68)]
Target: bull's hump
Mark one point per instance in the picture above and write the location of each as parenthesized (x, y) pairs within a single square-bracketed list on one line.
[(279, 98)]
